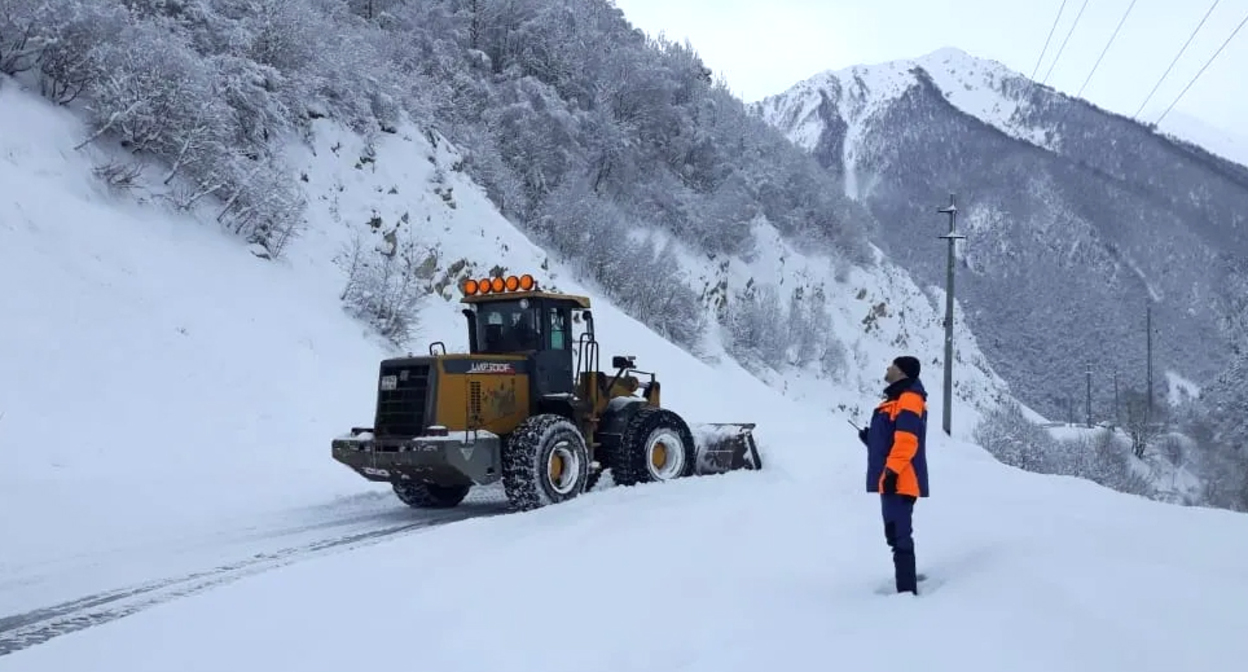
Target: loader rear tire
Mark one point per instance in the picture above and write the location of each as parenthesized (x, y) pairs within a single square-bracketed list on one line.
[(656, 446), (545, 461), (420, 495)]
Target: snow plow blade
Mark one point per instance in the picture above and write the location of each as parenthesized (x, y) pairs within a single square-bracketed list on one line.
[(724, 447)]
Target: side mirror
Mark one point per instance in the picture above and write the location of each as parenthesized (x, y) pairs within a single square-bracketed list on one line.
[(622, 362)]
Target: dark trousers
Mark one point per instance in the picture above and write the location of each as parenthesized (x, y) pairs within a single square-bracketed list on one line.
[(898, 513)]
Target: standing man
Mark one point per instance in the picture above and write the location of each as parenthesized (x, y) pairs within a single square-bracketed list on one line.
[(896, 443)]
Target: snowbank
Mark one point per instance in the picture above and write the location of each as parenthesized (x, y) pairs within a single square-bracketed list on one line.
[(735, 573), (159, 378)]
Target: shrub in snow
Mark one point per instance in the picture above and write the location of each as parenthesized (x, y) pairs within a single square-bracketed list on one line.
[(635, 273), (1014, 440), (1225, 479), (385, 285), (119, 176), (757, 328), (760, 332), (22, 40)]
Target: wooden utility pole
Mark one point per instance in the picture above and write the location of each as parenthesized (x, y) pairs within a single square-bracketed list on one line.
[(952, 237), (1088, 402), (1148, 325), (1117, 407)]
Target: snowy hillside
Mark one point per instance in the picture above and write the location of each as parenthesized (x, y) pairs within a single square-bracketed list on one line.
[(178, 393), (209, 381)]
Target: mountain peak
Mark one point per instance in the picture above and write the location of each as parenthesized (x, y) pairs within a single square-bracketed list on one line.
[(946, 58), (979, 87)]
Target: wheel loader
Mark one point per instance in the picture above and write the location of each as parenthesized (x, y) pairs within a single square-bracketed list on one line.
[(528, 405)]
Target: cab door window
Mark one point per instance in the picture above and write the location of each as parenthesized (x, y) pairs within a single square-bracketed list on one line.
[(560, 336)]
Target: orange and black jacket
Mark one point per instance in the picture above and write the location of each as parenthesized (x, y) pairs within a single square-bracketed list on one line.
[(897, 439)]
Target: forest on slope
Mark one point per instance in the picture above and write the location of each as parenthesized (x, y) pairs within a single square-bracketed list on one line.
[(584, 132)]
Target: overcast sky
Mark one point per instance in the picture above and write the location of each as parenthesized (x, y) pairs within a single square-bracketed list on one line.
[(762, 48)]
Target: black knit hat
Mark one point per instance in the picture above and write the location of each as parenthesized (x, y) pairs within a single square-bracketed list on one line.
[(908, 365)]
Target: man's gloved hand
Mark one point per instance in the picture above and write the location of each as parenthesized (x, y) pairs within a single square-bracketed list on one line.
[(888, 485), (862, 435)]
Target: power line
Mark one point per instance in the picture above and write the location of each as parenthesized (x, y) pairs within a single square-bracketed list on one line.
[(1176, 58), (1106, 49), (1046, 40), (1063, 47), (1202, 70)]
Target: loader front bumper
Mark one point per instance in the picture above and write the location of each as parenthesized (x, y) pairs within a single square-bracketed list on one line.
[(457, 458)]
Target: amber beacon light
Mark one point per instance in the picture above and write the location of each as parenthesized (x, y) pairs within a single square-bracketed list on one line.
[(511, 283)]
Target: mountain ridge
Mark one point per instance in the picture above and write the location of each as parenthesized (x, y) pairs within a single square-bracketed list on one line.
[(1182, 129), (1024, 159)]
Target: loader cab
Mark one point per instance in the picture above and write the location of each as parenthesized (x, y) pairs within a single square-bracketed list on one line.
[(509, 319), (519, 325)]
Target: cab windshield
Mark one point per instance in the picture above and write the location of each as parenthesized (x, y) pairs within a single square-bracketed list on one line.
[(507, 326)]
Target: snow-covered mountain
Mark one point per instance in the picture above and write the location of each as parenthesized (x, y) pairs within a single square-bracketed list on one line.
[(169, 436), (1077, 218), (860, 95)]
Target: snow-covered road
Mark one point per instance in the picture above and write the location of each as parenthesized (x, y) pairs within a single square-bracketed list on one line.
[(47, 597)]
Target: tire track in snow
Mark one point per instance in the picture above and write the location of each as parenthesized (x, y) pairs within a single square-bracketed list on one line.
[(31, 628)]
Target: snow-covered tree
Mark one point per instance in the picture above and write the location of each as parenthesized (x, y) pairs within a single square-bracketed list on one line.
[(589, 135)]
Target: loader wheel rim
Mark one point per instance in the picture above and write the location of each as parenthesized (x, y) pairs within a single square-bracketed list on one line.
[(562, 468), (665, 454)]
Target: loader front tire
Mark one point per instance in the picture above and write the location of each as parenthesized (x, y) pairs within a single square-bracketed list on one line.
[(420, 495), (545, 461), (656, 446)]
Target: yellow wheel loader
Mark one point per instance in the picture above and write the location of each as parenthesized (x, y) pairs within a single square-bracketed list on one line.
[(528, 405)]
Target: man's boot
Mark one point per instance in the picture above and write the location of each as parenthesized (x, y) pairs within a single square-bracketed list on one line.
[(903, 564)]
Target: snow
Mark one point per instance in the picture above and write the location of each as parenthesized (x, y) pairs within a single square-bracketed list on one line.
[(165, 385), (1180, 389), (753, 571), (1228, 144), (1153, 292), (981, 88), (202, 385)]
